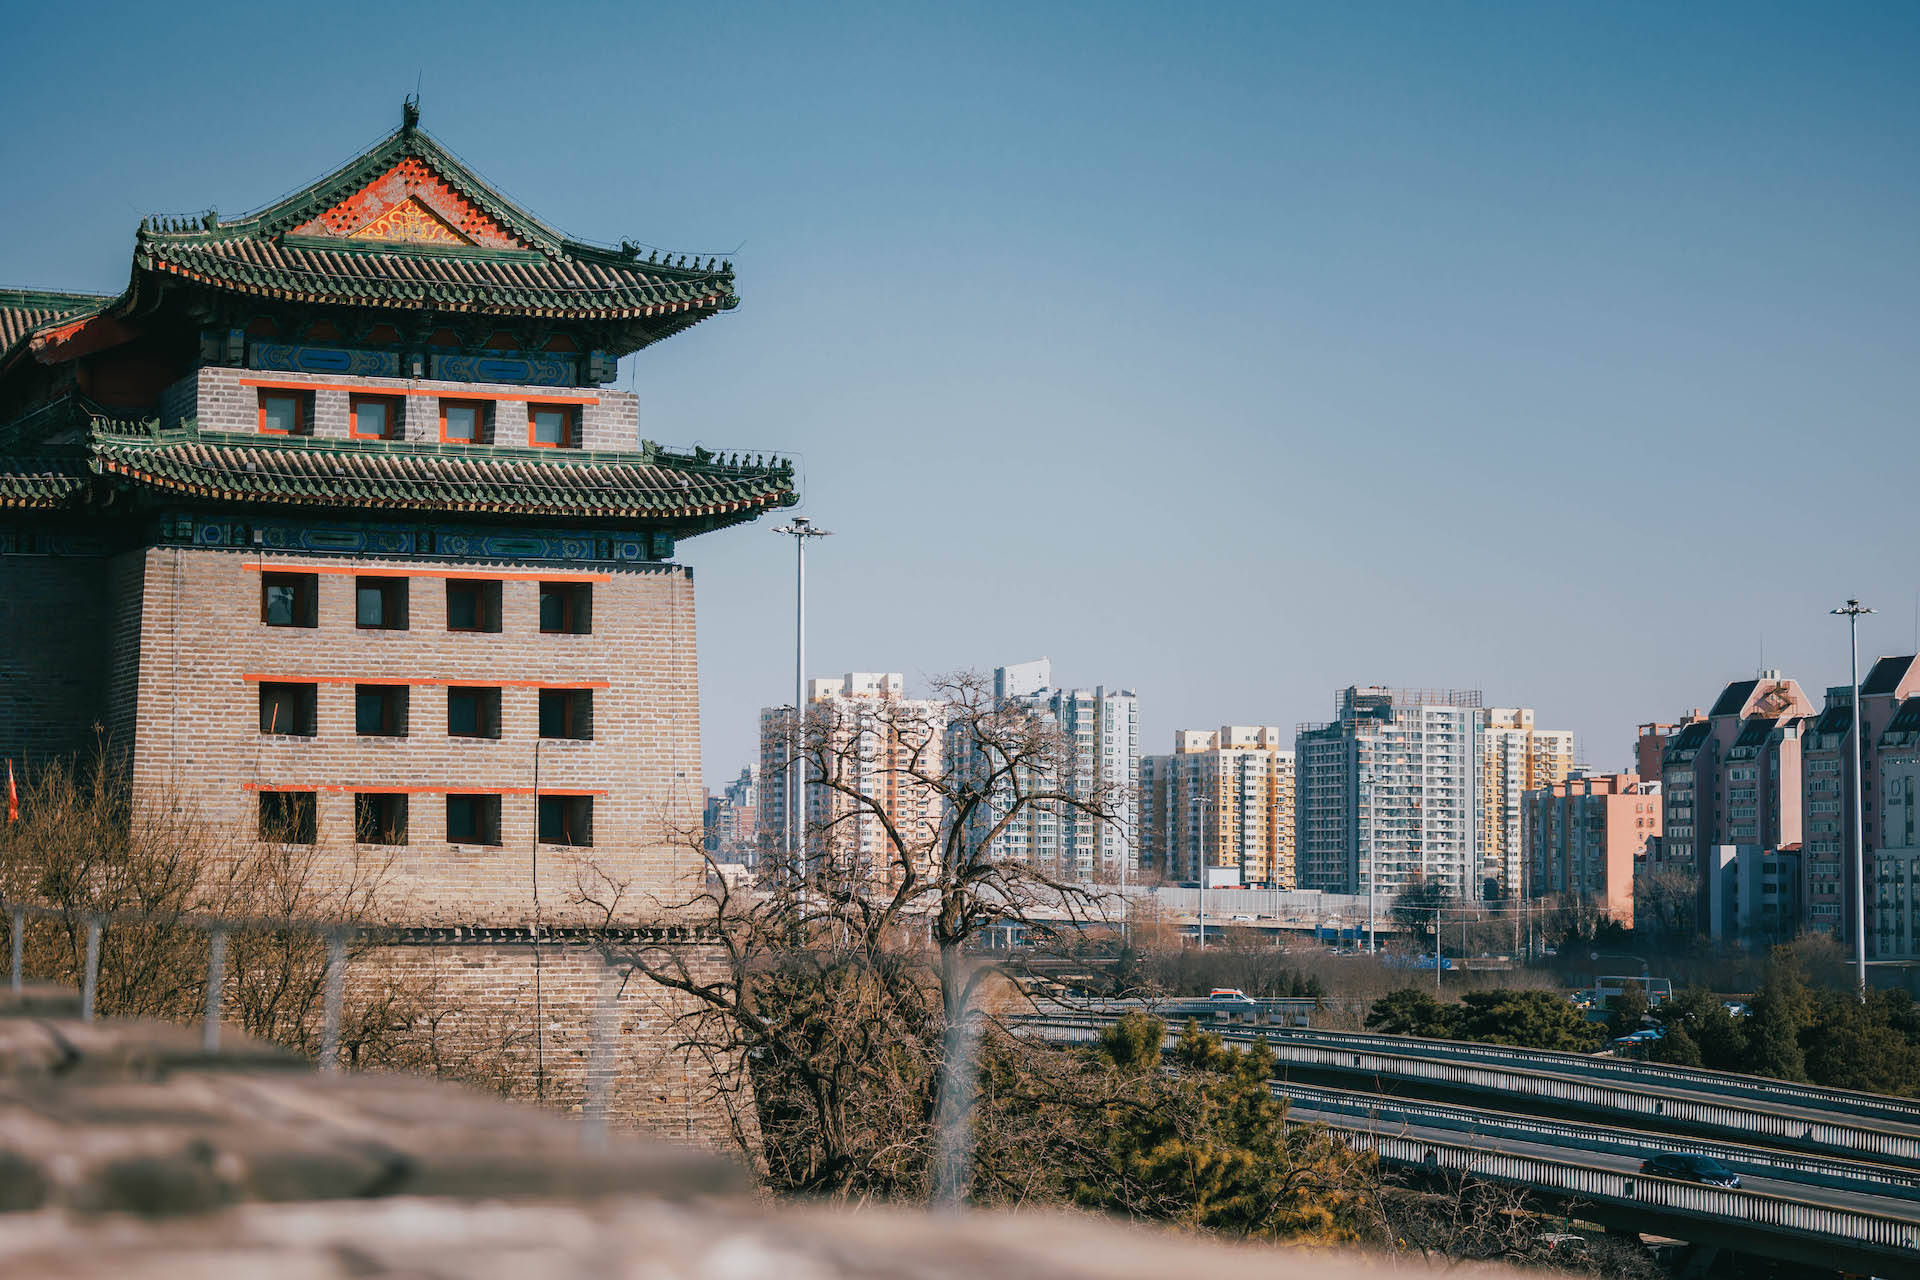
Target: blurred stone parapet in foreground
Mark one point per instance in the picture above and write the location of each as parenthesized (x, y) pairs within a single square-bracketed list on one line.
[(127, 1150)]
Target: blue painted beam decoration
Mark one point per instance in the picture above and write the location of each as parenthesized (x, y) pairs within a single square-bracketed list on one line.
[(515, 368), (294, 358), (458, 542)]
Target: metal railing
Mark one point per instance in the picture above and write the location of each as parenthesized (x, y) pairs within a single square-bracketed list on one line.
[(1373, 1109), (217, 928), (1848, 1102), (1293, 1048), (603, 1031), (1746, 1210)]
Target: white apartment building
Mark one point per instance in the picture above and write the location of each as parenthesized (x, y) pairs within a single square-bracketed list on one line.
[(1102, 726), (1390, 792)]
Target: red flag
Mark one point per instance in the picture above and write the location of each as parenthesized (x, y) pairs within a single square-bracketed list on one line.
[(13, 794)]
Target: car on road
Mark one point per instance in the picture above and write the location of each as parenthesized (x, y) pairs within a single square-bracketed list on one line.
[(1228, 995), (1685, 1166)]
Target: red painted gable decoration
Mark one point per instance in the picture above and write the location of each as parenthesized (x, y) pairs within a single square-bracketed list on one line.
[(409, 204)]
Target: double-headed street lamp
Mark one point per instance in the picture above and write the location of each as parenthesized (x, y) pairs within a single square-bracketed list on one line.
[(1852, 611), (799, 529)]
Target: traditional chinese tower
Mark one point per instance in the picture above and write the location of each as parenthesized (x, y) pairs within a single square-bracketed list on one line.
[(333, 520)]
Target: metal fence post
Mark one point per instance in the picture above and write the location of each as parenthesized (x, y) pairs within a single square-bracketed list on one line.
[(336, 982), (216, 980), (90, 981), (19, 946)]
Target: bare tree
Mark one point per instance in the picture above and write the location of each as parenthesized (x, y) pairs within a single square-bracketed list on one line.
[(850, 974)]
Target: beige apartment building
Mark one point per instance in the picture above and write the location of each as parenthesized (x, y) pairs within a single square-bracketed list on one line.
[(1516, 758), (1222, 800)]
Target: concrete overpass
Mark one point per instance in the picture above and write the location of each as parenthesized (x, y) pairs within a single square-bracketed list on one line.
[(1831, 1178)]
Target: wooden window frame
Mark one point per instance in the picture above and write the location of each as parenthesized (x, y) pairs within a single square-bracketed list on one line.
[(569, 425), (393, 592), (576, 714), (306, 591), (483, 414), (394, 404), (393, 710), (302, 411), (370, 803), (305, 824), (567, 808), (305, 696), (487, 828), (571, 595), (486, 711), (491, 605)]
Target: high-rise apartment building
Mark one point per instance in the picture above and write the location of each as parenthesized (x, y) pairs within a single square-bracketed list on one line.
[(1733, 778), (733, 819), (1894, 919), (1834, 800), (1101, 728), (1581, 836), (1516, 758), (874, 741), (1222, 800), (1388, 794), (773, 833)]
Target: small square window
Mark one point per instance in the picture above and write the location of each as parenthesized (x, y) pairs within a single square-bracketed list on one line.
[(379, 819), (373, 418), (566, 820), (463, 422), (566, 713), (550, 426), (380, 604), (473, 604), (380, 710), (473, 819), (473, 713), (286, 413), (290, 599), (288, 817), (566, 608), (288, 708)]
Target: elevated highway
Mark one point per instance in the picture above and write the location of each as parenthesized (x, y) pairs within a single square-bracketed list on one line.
[(1821, 1187), (1652, 1096)]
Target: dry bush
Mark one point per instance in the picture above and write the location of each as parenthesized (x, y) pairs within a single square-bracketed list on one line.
[(86, 847)]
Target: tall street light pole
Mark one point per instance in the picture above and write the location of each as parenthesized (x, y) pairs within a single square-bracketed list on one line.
[(1851, 611), (799, 529)]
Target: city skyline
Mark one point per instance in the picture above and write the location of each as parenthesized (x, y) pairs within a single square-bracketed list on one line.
[(1422, 343)]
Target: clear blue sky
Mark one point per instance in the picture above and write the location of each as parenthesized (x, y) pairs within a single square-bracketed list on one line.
[(1232, 352)]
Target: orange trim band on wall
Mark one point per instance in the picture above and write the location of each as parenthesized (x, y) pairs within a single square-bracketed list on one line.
[(374, 389), (377, 789), (490, 575), (256, 677)]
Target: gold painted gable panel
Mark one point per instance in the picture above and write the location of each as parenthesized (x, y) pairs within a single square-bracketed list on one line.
[(410, 222)]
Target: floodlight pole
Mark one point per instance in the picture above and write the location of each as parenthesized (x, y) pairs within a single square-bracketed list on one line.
[(1851, 611), (799, 529)]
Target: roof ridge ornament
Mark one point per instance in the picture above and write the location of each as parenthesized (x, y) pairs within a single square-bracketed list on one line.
[(410, 113)]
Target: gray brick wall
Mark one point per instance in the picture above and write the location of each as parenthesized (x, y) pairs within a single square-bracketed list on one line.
[(197, 721), (54, 617), (222, 401), (488, 1032)]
